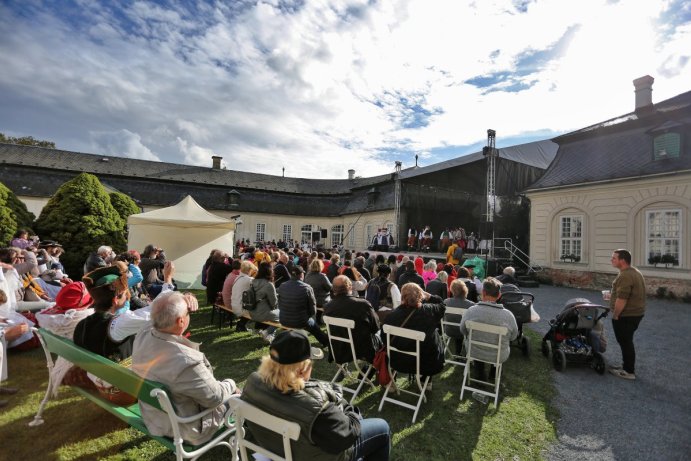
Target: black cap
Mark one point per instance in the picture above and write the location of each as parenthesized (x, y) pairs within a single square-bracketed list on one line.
[(293, 347)]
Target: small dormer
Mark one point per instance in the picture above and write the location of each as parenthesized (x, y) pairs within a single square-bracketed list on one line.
[(372, 195), (667, 140), (233, 197)]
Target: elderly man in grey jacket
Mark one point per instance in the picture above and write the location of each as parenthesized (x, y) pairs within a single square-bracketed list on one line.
[(162, 354), (488, 311)]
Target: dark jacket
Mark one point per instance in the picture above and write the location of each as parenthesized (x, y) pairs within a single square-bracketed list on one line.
[(438, 288), (296, 303), (399, 272), (93, 262), (216, 275), (411, 277), (328, 425), (424, 319), (332, 271), (281, 274), (321, 287), (150, 271), (91, 333), (473, 295), (367, 343)]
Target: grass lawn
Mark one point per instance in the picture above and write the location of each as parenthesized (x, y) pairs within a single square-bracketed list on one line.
[(446, 428)]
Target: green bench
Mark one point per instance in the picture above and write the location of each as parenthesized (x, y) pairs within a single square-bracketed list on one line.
[(150, 392)]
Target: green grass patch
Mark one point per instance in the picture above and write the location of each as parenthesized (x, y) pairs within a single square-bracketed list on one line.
[(446, 429)]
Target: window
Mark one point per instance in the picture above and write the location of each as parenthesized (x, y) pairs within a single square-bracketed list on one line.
[(261, 231), (667, 145), (389, 228), (287, 232), (571, 238), (369, 235), (663, 228), (337, 234), (306, 233), (351, 235)]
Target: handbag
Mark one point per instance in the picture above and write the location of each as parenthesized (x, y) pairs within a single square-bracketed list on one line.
[(380, 361)]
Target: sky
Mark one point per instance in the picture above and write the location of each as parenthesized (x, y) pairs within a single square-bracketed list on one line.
[(320, 87)]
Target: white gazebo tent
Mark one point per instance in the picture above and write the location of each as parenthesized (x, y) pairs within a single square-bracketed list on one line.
[(187, 233)]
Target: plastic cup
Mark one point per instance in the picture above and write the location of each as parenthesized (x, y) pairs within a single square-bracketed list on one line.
[(606, 294)]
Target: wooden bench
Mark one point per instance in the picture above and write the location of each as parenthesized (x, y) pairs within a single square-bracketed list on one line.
[(224, 308), (150, 392)]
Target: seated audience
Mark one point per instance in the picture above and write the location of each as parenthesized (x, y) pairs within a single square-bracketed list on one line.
[(459, 292), (346, 306), (267, 300), (297, 305), (161, 353), (240, 285), (413, 314), (508, 276), (411, 276), (330, 428), (492, 313), (438, 286)]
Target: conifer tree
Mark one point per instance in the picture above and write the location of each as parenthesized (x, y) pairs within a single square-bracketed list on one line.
[(81, 217)]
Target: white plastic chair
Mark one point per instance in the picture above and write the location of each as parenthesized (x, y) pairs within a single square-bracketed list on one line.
[(245, 411), (417, 336), (222, 437), (358, 373), (473, 343), (450, 357)]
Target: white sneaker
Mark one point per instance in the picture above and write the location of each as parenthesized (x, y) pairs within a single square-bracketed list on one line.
[(621, 373), (268, 337)]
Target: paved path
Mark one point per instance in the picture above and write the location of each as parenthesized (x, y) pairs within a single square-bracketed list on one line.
[(608, 418)]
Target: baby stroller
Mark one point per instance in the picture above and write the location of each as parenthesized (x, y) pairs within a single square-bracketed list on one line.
[(577, 335), (520, 304)]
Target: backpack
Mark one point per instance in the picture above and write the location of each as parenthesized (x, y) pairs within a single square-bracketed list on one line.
[(376, 291), (249, 299), (458, 253)]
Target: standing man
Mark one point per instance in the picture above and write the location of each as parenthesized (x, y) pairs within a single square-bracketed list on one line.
[(627, 302)]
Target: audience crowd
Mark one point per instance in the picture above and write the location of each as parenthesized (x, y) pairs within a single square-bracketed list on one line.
[(127, 308)]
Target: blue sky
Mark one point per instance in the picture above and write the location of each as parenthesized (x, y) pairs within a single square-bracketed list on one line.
[(319, 87)]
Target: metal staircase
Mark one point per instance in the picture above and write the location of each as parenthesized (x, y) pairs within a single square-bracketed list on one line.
[(517, 254)]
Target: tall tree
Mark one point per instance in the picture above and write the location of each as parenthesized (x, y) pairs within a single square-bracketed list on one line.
[(8, 220), (26, 141), (125, 207), (81, 217)]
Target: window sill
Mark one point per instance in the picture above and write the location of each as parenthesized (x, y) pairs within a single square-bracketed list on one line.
[(570, 264)]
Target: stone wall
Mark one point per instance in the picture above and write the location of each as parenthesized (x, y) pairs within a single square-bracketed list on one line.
[(673, 288)]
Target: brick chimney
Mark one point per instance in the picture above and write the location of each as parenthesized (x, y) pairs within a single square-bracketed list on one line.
[(351, 174), (216, 162), (644, 93)]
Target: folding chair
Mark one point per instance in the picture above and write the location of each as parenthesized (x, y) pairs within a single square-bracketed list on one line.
[(417, 336), (450, 357), (245, 411), (474, 343), (358, 373)]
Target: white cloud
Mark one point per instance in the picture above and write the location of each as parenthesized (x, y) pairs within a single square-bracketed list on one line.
[(121, 143), (326, 86)]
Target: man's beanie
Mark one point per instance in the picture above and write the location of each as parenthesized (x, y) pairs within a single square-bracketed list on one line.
[(105, 282)]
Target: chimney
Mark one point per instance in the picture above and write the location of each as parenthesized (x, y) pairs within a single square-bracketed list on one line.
[(644, 92), (217, 162), (351, 174)]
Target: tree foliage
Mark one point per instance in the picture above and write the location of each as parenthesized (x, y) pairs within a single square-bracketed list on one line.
[(26, 141), (8, 220), (81, 217), (125, 207)]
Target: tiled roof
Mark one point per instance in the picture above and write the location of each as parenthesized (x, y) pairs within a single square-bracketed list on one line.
[(61, 160), (620, 148)]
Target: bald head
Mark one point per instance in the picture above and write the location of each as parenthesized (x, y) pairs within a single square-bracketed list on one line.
[(342, 285)]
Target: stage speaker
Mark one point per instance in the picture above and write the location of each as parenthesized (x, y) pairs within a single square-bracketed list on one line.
[(315, 236), (493, 268), (323, 233)]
